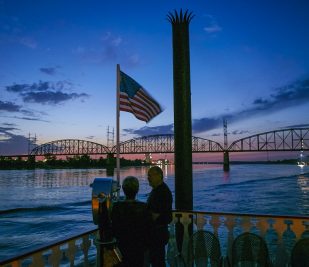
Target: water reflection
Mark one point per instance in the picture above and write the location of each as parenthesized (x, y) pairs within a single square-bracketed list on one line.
[(226, 176), (270, 188), (303, 184)]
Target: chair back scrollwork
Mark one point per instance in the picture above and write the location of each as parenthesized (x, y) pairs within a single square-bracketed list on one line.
[(300, 253), (250, 249), (204, 249)]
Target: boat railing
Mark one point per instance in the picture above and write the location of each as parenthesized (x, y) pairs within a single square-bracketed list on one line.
[(78, 250), (279, 232)]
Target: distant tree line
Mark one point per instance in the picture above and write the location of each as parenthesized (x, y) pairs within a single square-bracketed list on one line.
[(51, 162)]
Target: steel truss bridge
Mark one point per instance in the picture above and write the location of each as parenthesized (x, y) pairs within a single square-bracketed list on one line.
[(296, 139)]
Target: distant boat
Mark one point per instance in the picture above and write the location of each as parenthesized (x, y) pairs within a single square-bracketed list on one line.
[(301, 163)]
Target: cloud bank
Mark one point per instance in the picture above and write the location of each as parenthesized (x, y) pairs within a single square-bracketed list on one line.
[(49, 70), (9, 106), (45, 92), (294, 94)]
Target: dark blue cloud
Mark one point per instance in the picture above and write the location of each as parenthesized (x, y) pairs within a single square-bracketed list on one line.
[(294, 94), (8, 124), (164, 129), (30, 118), (10, 143), (204, 124), (9, 127), (296, 126), (50, 97), (9, 106), (21, 88), (238, 132), (14, 145), (45, 92), (27, 114), (49, 70)]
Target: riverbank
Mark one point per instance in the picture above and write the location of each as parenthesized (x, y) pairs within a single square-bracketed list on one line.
[(285, 161), (76, 162)]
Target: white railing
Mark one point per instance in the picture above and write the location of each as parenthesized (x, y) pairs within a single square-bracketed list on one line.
[(79, 250), (279, 232)]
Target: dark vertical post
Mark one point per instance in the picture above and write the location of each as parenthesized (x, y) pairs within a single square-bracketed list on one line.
[(110, 165), (182, 110), (226, 158), (226, 161), (31, 162)]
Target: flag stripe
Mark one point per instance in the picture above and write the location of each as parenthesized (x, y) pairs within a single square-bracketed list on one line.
[(143, 106), (139, 98), (136, 112), (153, 104), (127, 105), (136, 102), (135, 99)]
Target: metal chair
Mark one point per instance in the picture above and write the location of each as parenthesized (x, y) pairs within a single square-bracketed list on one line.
[(250, 250), (300, 253), (204, 249)]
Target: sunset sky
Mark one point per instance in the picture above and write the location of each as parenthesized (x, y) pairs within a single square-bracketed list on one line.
[(249, 64)]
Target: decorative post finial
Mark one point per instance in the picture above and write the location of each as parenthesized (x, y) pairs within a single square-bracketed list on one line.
[(181, 18)]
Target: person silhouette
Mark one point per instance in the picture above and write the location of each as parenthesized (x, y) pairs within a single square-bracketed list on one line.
[(131, 221), (159, 202)]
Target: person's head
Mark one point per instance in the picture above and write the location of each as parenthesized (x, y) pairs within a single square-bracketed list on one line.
[(155, 176), (130, 186)]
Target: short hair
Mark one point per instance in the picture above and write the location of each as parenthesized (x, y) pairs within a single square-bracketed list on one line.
[(157, 170), (130, 186)]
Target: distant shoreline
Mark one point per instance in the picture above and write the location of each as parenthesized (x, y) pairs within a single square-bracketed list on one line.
[(139, 164), (286, 161)]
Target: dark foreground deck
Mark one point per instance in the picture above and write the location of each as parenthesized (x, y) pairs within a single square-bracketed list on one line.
[(279, 232)]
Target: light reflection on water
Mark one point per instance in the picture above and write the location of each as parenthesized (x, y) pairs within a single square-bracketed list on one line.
[(39, 206), (210, 184)]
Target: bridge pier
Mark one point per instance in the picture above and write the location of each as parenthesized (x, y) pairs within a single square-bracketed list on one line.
[(31, 161), (226, 161), (110, 164)]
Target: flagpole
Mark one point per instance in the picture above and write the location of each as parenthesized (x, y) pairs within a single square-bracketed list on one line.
[(117, 124)]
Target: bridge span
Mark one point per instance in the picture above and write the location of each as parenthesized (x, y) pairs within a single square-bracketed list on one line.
[(142, 145), (294, 139)]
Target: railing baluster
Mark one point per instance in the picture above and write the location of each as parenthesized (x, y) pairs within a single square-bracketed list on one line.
[(71, 252), (56, 256), (279, 232), (85, 245), (37, 260)]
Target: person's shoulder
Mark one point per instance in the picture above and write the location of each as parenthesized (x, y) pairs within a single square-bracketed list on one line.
[(119, 203), (128, 204), (140, 203), (165, 187), (141, 207)]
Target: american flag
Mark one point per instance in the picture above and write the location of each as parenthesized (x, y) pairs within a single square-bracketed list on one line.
[(135, 99)]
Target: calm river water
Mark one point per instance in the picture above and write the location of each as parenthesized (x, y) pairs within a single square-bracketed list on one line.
[(41, 206)]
